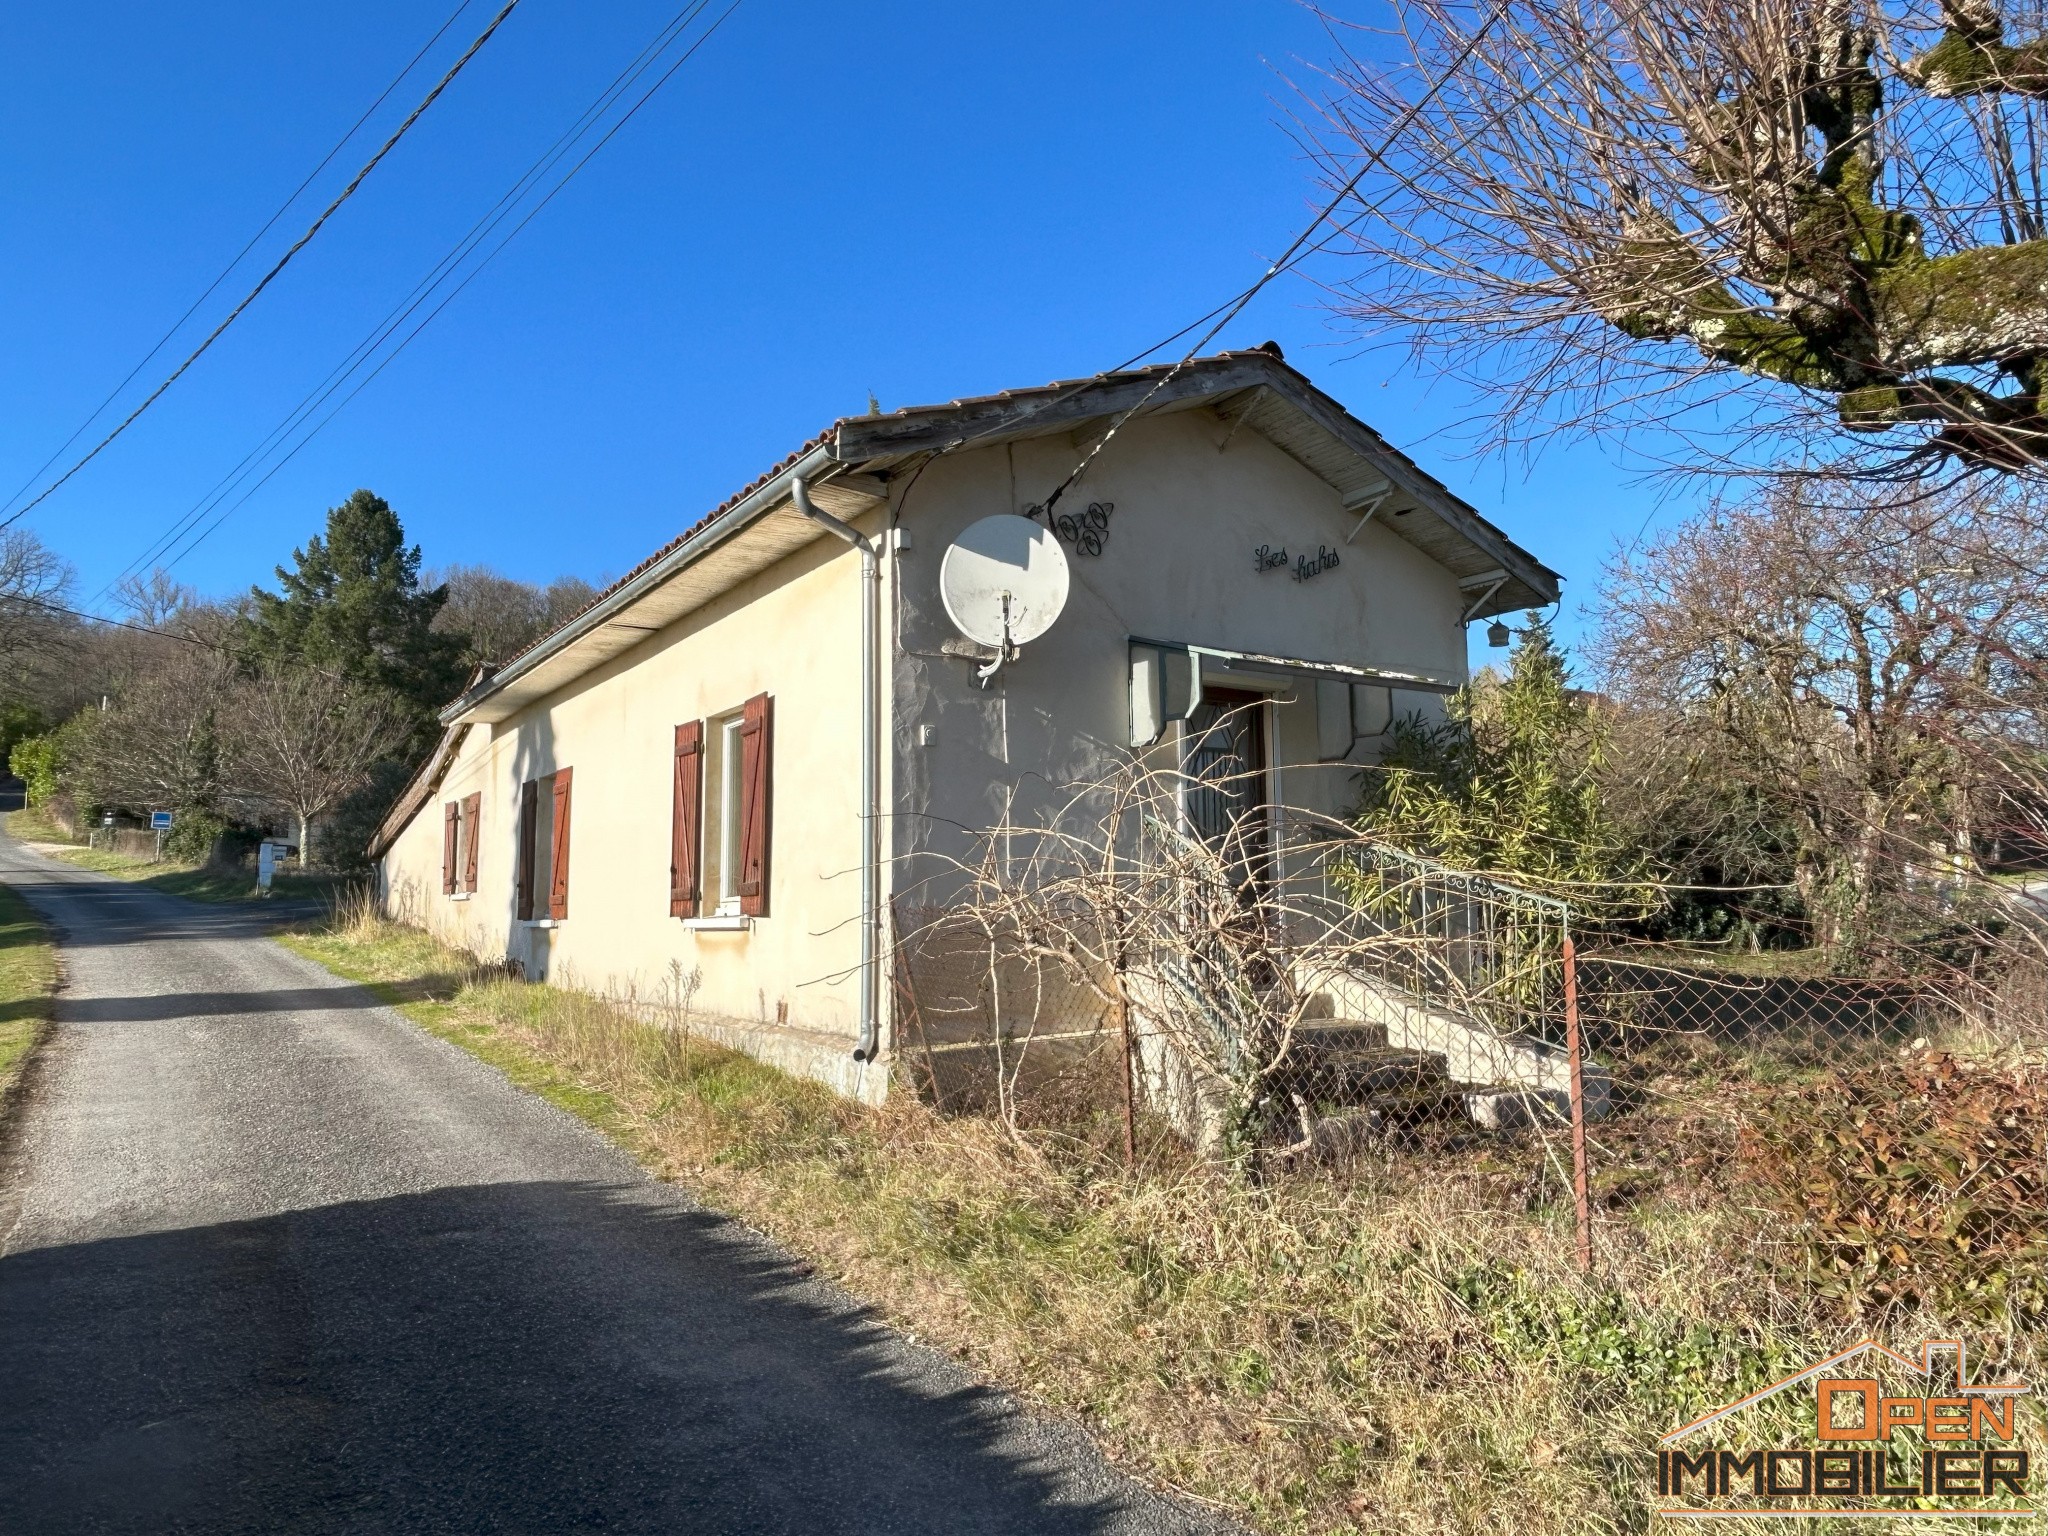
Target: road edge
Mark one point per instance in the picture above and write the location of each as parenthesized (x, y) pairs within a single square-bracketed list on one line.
[(19, 1078)]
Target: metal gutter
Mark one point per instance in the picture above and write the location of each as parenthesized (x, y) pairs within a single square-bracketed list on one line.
[(1240, 663), (870, 781), (764, 499)]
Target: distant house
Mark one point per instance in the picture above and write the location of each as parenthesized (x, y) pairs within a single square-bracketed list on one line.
[(672, 782)]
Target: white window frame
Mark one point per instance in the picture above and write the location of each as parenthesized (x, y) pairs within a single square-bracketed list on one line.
[(465, 834), (722, 831)]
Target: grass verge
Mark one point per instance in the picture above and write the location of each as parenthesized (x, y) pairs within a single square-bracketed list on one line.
[(1406, 1348), (197, 882), (28, 978)]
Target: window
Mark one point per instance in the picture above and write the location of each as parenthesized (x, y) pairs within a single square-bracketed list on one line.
[(1224, 774), (718, 861), (543, 890), (722, 837), (459, 845)]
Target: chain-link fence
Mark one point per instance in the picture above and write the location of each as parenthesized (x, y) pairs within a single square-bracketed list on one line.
[(984, 1026), (1342, 997)]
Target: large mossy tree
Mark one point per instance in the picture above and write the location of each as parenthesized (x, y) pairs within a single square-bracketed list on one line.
[(1831, 211)]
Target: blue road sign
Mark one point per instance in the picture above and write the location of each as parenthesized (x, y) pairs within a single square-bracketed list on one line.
[(159, 821)]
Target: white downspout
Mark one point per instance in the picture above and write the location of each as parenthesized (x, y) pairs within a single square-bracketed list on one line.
[(870, 788)]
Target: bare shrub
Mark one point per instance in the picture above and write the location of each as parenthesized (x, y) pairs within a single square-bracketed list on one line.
[(1923, 1182), (1221, 954)]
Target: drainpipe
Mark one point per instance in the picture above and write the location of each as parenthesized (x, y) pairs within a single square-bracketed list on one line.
[(871, 810)]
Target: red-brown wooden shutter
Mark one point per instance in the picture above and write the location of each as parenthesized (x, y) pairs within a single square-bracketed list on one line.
[(450, 827), (529, 827), (687, 820), (558, 885), (757, 734), (472, 815)]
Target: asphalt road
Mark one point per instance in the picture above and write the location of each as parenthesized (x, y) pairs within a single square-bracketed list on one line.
[(274, 1260)]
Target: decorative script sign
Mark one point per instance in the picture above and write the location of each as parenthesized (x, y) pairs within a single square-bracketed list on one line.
[(1267, 558), (1087, 530), (1306, 566)]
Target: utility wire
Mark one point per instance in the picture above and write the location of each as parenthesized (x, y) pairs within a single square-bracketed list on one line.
[(297, 246), (212, 287), (168, 634), (322, 395), (95, 618), (1236, 307), (181, 530), (1294, 256), (421, 291)]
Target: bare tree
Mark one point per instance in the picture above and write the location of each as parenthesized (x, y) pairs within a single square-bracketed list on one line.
[(34, 584), (155, 601), (307, 739), (1864, 664), (499, 616), (1608, 210), (159, 741)]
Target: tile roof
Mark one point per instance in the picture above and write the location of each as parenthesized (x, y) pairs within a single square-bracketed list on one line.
[(1269, 353), (910, 411)]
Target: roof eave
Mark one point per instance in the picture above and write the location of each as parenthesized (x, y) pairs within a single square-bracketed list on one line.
[(765, 497), (994, 419), (1530, 584)]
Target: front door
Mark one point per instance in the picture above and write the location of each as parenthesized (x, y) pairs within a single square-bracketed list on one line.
[(1225, 765)]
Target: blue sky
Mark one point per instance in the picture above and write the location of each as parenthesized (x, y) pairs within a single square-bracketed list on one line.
[(923, 200)]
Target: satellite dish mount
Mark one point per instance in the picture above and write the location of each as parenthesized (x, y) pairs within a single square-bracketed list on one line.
[(1004, 582)]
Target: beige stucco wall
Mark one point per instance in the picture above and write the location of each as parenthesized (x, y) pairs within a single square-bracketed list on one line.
[(791, 632), (1192, 501)]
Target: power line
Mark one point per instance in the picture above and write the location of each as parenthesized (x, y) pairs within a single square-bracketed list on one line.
[(268, 224), (410, 303), (446, 268), (166, 634), (95, 618), (1236, 307), (264, 282)]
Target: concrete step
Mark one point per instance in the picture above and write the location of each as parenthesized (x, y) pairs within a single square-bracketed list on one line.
[(1358, 1071), (1337, 1035)]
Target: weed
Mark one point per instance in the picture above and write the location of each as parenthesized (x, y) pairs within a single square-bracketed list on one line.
[(28, 975), (1402, 1348)]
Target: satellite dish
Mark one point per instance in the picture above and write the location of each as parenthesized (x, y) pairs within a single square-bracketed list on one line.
[(1004, 582)]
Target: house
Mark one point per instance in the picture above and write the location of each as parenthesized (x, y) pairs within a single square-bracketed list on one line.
[(722, 775)]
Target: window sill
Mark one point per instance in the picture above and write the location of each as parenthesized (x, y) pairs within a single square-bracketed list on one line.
[(541, 922), (460, 895), (730, 923)]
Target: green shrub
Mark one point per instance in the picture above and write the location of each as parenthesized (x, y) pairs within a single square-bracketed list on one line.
[(35, 759), (193, 835)]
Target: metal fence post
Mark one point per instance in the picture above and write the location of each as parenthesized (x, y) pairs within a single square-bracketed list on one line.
[(1583, 1212), (1123, 1009)]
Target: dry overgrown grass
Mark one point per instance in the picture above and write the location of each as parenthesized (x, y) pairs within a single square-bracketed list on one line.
[(28, 975), (1404, 1348)]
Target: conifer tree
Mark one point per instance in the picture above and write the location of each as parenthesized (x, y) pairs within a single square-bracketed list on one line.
[(352, 604)]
